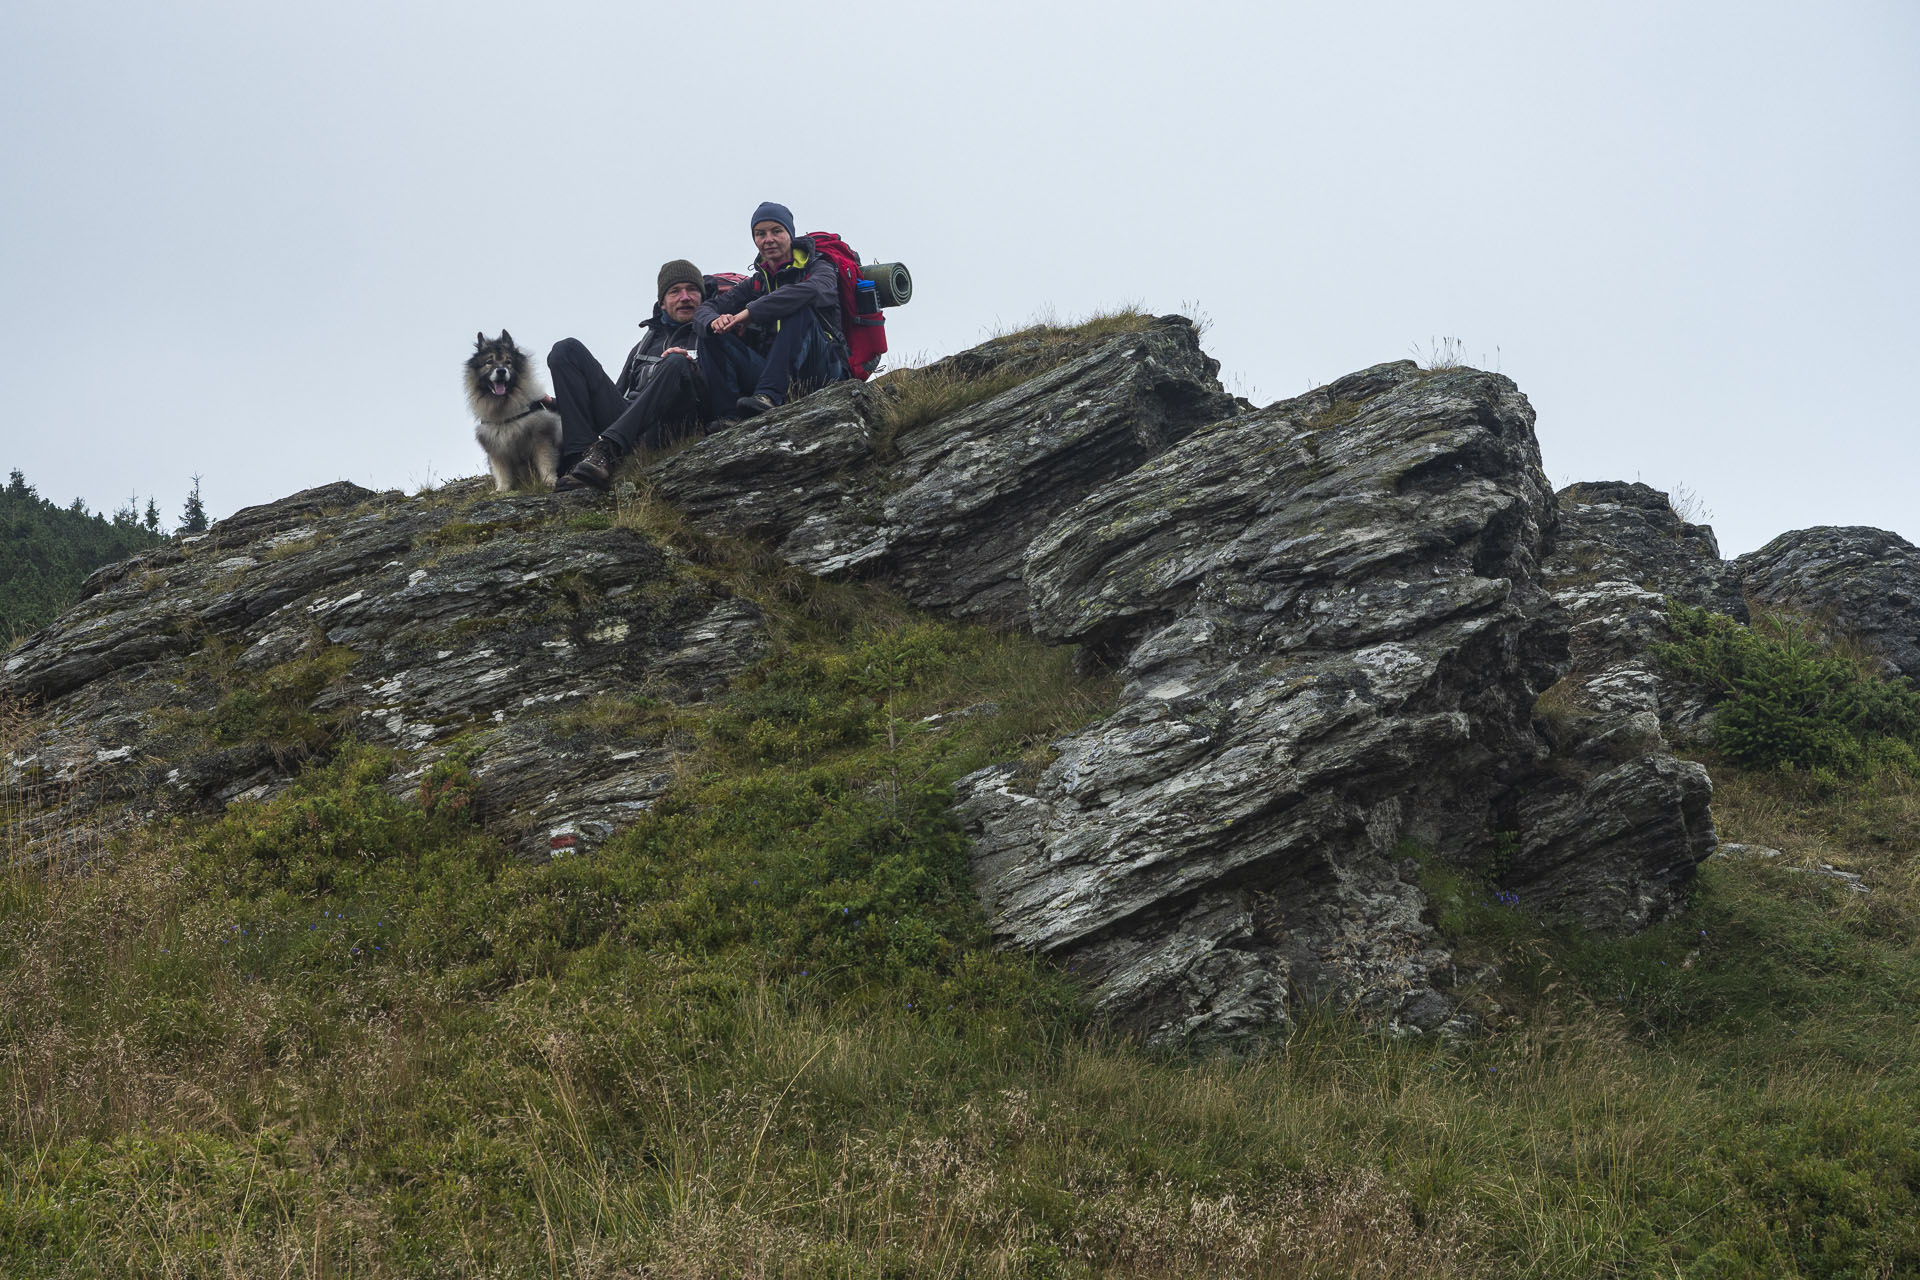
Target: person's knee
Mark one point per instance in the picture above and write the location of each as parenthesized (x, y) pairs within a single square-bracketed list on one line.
[(568, 351)]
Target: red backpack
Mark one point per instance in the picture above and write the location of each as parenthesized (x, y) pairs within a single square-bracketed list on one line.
[(866, 335)]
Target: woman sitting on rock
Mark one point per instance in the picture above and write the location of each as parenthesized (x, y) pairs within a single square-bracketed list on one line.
[(776, 334)]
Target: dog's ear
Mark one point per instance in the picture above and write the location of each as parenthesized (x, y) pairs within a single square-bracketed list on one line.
[(479, 341), (506, 339)]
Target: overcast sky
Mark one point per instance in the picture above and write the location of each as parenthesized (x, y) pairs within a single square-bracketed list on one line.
[(253, 242)]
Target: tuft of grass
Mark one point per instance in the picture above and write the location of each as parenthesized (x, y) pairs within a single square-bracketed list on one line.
[(587, 521), (915, 396), (1441, 353), (1445, 353), (912, 398), (1688, 506), (1047, 328), (629, 718), (293, 547), (1559, 705), (461, 533), (273, 708)]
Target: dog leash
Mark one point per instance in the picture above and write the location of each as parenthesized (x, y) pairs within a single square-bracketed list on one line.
[(545, 402)]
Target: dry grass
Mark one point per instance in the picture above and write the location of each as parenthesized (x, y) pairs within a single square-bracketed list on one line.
[(1049, 327), (912, 398), (620, 1123), (1559, 703), (1872, 827), (915, 396)]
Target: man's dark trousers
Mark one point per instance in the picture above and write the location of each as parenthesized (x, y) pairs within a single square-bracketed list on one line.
[(669, 404)]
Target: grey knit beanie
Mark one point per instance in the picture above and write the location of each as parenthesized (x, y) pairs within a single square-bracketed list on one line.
[(679, 271), (771, 212)]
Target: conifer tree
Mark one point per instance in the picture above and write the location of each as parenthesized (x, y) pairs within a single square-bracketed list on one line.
[(193, 519)]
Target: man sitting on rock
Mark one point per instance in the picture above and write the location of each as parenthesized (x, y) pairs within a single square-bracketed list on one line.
[(659, 400), (776, 333)]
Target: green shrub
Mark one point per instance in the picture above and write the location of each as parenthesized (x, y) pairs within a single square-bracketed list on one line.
[(1787, 698)]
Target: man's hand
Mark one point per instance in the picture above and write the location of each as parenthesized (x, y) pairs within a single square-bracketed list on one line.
[(675, 351), (723, 323)]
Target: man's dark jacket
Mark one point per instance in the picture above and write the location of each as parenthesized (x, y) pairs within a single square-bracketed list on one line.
[(660, 334)]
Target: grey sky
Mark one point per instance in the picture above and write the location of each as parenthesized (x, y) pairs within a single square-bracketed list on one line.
[(254, 242)]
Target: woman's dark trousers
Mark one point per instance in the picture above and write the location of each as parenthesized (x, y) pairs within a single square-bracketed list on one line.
[(799, 358)]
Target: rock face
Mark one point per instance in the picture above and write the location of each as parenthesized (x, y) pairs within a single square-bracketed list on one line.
[(1331, 616), (1622, 554), (206, 670), (1621, 817), (1864, 582), (1611, 531), (1332, 626), (942, 510)]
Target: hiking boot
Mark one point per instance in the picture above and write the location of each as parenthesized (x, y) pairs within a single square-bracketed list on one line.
[(593, 471), (754, 406)]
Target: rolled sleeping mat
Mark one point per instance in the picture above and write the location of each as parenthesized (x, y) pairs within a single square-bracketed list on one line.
[(891, 281)]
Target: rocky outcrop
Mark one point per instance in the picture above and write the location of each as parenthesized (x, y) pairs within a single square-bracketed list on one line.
[(1331, 619), (1332, 626), (212, 668), (1618, 799), (942, 510), (1864, 583)]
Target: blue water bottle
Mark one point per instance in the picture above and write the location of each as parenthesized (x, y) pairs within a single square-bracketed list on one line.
[(866, 298)]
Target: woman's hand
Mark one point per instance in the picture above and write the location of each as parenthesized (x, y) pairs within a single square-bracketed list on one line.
[(723, 323)]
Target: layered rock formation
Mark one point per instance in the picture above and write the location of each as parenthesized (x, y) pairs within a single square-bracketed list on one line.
[(204, 672), (1622, 553), (1332, 619), (942, 510), (1332, 625)]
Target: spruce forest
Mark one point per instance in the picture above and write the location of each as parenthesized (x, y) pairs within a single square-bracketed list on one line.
[(47, 551)]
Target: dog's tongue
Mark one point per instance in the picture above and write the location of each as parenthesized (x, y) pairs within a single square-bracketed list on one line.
[(499, 388)]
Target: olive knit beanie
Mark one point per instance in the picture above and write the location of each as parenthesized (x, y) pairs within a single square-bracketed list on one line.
[(679, 271), (771, 212)]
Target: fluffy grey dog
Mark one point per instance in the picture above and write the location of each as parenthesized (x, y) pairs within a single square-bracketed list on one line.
[(517, 425)]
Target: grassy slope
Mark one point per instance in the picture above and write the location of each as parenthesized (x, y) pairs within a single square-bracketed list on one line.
[(761, 1034)]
